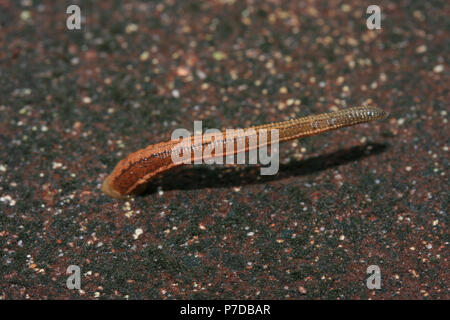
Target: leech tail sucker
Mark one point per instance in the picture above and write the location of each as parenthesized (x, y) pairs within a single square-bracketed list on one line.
[(132, 173)]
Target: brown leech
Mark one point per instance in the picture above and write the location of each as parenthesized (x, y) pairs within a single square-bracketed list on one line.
[(132, 173)]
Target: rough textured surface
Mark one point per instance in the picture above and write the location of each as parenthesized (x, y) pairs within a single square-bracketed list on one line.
[(73, 103)]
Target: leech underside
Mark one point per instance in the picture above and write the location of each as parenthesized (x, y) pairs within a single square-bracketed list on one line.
[(132, 173)]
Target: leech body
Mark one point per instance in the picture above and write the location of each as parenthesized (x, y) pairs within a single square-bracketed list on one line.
[(133, 172)]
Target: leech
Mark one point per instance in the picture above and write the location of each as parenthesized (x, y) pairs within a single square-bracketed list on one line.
[(132, 173)]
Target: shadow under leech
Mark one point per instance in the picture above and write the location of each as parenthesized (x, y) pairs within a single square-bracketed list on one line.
[(202, 176)]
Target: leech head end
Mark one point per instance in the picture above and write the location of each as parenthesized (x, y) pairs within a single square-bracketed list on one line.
[(383, 114)]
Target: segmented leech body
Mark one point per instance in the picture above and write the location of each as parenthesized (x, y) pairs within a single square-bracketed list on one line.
[(133, 172)]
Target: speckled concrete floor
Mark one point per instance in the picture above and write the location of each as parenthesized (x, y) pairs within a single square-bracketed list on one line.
[(73, 103)]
